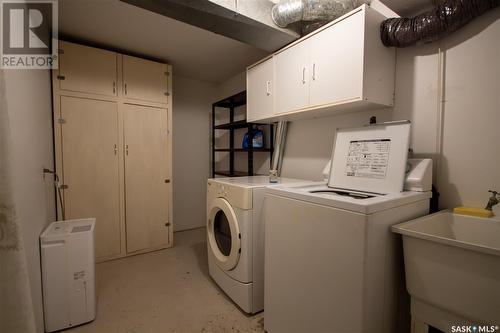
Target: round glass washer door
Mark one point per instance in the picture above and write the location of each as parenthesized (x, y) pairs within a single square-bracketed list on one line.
[(223, 234)]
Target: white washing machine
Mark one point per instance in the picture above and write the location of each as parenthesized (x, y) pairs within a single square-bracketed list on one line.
[(235, 237), (331, 262)]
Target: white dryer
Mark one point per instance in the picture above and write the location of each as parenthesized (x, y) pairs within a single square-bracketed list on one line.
[(331, 262), (235, 237)]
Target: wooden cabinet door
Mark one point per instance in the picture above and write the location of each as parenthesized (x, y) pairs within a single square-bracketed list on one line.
[(91, 168), (87, 69), (291, 78), (146, 170), (336, 55), (260, 91), (144, 80)]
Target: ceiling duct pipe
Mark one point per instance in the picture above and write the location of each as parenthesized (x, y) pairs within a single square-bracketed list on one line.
[(312, 13), (447, 17)]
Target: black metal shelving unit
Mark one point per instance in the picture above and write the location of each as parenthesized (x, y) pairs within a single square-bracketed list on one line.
[(230, 104)]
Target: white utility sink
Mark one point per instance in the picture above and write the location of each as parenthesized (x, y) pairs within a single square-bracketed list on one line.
[(452, 265)]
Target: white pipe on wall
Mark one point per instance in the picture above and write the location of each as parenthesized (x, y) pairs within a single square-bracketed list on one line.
[(279, 146), (440, 112)]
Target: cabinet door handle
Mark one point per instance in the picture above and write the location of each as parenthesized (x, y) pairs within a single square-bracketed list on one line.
[(116, 149), (314, 72), (303, 75), (126, 150), (125, 88), (268, 88), (114, 87)]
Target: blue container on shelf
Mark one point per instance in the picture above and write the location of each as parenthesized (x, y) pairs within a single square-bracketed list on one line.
[(257, 136)]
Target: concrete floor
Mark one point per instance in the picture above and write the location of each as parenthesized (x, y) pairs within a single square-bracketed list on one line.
[(165, 291)]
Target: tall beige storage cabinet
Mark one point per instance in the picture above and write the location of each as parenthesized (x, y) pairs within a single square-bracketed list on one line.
[(113, 119)]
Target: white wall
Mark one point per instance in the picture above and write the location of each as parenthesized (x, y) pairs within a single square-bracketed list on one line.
[(30, 111), (192, 101), (231, 86), (470, 131)]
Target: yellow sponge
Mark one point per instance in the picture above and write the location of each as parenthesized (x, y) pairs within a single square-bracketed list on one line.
[(479, 212)]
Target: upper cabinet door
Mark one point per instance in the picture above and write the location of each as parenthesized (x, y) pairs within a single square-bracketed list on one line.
[(336, 62), (87, 69), (292, 78), (144, 80), (260, 91)]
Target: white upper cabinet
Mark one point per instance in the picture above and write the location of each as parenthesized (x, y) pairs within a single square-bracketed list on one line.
[(87, 69), (292, 78), (337, 72), (342, 66), (144, 80), (260, 90)]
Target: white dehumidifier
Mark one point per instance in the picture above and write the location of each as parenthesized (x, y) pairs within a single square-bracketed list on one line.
[(68, 273)]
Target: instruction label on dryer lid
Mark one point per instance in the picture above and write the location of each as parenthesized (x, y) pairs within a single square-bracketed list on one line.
[(368, 158)]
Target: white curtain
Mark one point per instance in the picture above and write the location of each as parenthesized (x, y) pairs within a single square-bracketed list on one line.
[(16, 307)]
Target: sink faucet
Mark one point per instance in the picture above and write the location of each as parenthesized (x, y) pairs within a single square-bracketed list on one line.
[(492, 201)]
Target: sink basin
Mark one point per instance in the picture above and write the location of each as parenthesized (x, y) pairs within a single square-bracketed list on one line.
[(452, 265)]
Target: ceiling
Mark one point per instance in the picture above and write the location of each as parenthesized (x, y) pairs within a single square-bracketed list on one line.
[(408, 7), (193, 52)]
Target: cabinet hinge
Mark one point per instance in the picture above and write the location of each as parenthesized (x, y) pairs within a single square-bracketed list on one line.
[(167, 181), (61, 77), (61, 121), (166, 94)]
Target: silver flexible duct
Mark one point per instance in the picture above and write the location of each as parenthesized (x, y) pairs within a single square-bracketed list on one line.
[(279, 146), (313, 11)]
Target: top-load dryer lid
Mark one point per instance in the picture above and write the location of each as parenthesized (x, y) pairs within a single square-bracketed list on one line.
[(371, 158)]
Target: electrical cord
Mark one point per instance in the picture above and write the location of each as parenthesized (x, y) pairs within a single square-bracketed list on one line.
[(58, 187)]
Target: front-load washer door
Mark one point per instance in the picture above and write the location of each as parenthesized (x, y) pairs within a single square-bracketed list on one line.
[(223, 234)]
